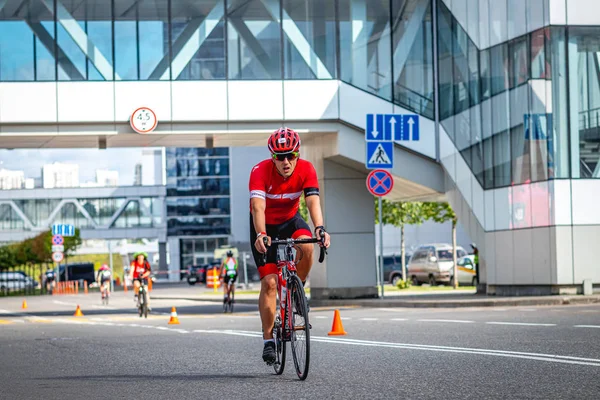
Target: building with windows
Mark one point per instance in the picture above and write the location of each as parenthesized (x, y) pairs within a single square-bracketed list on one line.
[(60, 175), (11, 179), (106, 177), (505, 93)]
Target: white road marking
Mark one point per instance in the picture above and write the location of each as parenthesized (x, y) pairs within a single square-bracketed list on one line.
[(446, 320), (586, 326), (103, 307), (488, 352), (345, 318), (368, 319), (64, 303), (399, 319), (518, 323), (320, 317), (527, 309)]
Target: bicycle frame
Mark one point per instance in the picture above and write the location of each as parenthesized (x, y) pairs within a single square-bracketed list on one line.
[(286, 268)]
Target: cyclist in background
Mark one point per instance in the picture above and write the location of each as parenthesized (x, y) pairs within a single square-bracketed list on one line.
[(103, 278), (229, 274), (140, 270)]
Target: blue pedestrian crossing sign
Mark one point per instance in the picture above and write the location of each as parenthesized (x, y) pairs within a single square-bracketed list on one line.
[(63, 230), (392, 127), (380, 155)]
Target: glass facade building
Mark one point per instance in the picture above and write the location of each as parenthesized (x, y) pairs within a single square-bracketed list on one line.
[(360, 42), (198, 201), (508, 93)]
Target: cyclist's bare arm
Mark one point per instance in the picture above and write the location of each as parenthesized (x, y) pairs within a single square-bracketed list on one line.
[(259, 206), (313, 203)]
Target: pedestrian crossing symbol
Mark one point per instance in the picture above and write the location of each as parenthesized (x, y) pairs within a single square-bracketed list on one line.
[(380, 155)]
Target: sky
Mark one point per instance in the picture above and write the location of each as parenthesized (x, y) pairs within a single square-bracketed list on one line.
[(89, 160)]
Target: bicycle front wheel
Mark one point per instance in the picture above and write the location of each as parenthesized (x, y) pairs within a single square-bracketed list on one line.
[(145, 305), (279, 365), (300, 327)]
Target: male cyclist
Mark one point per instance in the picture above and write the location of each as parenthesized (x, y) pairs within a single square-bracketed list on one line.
[(276, 185), (140, 270), (103, 279), (229, 274)]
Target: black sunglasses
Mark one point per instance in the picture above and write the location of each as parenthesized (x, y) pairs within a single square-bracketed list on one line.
[(290, 156)]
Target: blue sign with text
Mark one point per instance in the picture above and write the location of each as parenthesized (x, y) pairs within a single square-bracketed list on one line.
[(63, 230)]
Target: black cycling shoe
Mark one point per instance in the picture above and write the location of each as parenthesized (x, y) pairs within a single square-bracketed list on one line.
[(269, 355)]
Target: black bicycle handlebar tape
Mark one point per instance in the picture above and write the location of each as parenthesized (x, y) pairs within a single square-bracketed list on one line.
[(321, 254), (265, 241)]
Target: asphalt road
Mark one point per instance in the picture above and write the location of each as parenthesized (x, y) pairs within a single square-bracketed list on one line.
[(477, 353)]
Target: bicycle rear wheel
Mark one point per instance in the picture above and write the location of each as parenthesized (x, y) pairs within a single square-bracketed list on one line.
[(279, 365), (300, 327)]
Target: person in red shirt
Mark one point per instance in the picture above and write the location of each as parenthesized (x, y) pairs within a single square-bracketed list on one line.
[(139, 271), (276, 185)]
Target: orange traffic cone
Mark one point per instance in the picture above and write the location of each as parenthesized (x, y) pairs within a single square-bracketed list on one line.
[(24, 306), (337, 328), (78, 312), (174, 320)]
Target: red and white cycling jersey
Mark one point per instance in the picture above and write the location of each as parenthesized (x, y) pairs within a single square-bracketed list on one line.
[(139, 270), (281, 194)]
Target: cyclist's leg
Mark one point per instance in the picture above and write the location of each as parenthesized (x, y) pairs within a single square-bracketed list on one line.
[(299, 229), (267, 303), (136, 288), (225, 287)]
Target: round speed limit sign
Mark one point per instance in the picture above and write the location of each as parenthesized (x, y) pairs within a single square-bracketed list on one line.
[(143, 120)]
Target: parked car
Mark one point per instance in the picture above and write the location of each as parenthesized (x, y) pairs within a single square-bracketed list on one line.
[(78, 271), (392, 268), (467, 273), (433, 264), (196, 274), (16, 280)]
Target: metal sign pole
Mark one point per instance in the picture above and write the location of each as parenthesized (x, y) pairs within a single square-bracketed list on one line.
[(112, 288), (381, 245), (245, 271)]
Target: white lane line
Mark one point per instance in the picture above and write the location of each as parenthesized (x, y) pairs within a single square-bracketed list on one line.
[(465, 350), (518, 323), (103, 307), (64, 303), (399, 319), (345, 318), (586, 326), (368, 319), (447, 320), (320, 317)]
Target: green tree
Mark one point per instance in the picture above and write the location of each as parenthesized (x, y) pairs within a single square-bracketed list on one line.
[(303, 209), (41, 246), (399, 214), (440, 213), (7, 257), (72, 243)]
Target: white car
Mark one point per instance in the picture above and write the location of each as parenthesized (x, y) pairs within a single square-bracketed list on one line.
[(433, 264)]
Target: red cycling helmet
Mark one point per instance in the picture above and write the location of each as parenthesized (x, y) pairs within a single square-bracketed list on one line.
[(284, 140)]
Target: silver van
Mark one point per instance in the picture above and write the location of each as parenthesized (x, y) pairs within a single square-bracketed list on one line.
[(433, 264)]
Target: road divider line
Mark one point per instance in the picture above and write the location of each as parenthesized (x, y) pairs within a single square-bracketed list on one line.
[(320, 317), (518, 323), (587, 326), (459, 321), (368, 319), (464, 350), (399, 319)]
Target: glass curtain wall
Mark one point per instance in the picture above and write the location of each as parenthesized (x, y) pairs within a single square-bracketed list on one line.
[(198, 196), (495, 103), (384, 47)]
